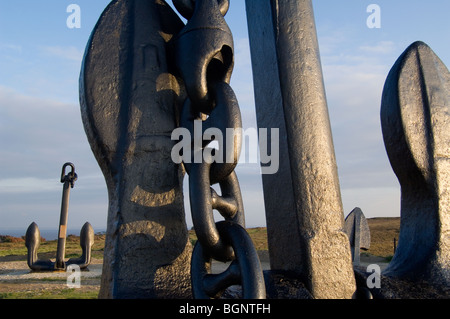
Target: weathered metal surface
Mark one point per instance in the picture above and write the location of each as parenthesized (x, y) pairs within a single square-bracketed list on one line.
[(33, 237), (130, 99), (357, 230), (282, 222), (415, 117), (245, 270), (204, 56), (204, 53), (309, 230)]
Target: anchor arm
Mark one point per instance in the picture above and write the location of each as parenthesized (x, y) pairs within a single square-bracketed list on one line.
[(32, 242), (86, 243)]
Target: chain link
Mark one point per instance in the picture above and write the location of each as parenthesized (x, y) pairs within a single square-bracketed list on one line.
[(204, 55)]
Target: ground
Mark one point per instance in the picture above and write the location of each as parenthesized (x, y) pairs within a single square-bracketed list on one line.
[(18, 281)]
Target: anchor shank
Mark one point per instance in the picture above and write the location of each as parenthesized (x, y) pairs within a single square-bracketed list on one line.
[(305, 235), (62, 232)]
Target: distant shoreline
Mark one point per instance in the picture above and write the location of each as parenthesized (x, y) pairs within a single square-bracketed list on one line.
[(48, 234), (52, 234)]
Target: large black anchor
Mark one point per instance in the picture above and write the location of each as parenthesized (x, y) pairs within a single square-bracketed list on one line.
[(33, 236)]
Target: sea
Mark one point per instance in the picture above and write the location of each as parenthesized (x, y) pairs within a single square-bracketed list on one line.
[(48, 234)]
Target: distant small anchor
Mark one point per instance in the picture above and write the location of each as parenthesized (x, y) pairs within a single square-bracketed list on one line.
[(33, 236)]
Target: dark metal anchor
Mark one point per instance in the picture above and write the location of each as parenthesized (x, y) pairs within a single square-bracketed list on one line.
[(33, 236)]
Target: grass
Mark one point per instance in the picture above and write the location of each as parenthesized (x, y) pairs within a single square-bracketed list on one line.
[(258, 236), (47, 249), (382, 232)]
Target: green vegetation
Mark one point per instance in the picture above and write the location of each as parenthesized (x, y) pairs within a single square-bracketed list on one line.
[(382, 234), (258, 236), (15, 249)]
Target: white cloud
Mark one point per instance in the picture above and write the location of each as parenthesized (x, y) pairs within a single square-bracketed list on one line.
[(242, 80), (332, 40), (28, 185), (9, 47), (374, 202), (354, 83), (242, 54), (39, 136), (69, 53), (382, 47)]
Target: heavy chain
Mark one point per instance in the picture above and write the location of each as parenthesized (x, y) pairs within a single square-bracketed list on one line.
[(204, 56)]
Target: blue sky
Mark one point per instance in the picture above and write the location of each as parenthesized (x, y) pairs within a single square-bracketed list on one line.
[(41, 128)]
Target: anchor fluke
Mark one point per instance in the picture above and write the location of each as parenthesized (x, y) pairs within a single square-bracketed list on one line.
[(32, 242), (86, 242)]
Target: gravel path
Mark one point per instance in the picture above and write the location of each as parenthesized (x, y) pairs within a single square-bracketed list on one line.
[(17, 277), (19, 270)]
